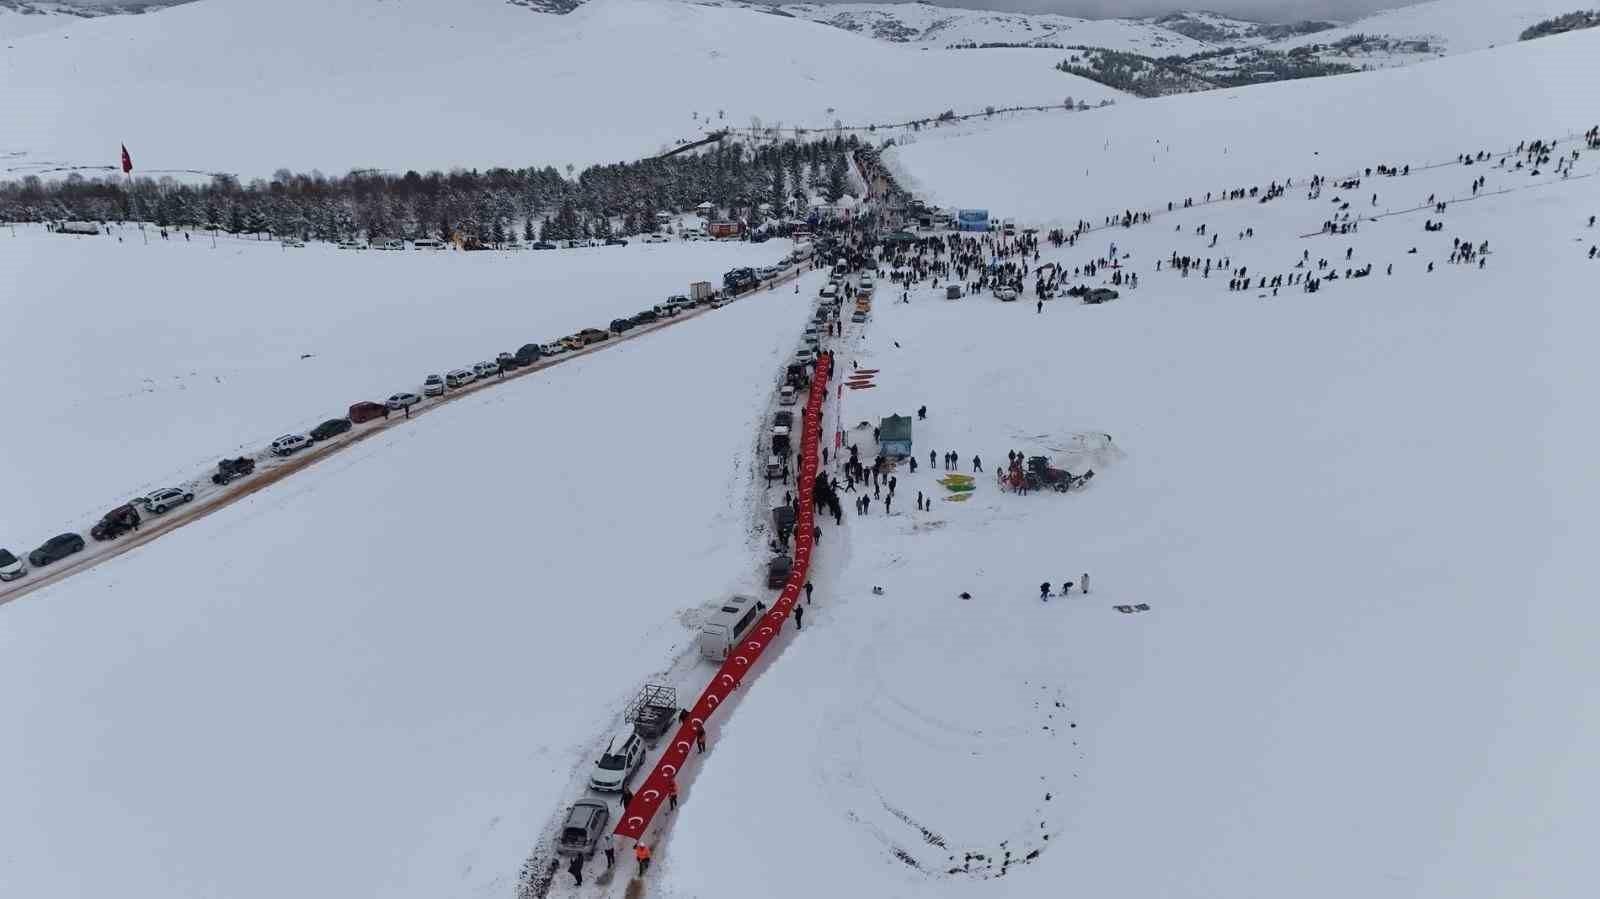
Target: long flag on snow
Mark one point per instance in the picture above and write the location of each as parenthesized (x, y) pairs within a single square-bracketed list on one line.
[(127, 161)]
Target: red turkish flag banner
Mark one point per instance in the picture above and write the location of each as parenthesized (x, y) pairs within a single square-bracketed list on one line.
[(127, 161)]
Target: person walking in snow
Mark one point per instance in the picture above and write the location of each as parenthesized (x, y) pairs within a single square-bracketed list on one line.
[(799, 615), (977, 464), (627, 798), (672, 794), (700, 736), (576, 870), (1044, 592), (608, 845), (641, 854), (1083, 583), (1066, 588)]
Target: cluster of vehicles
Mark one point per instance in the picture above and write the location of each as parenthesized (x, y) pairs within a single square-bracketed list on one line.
[(125, 518), (121, 520), (649, 716), (654, 711)]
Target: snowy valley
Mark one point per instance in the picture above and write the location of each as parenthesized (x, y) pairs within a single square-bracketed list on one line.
[(1333, 392)]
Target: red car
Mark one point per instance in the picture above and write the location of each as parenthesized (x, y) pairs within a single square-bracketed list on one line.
[(363, 412)]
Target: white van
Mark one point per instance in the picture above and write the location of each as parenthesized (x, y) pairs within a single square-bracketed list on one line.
[(728, 625), (786, 395)]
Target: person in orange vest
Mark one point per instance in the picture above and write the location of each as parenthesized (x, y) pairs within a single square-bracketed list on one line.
[(642, 853), (672, 793)]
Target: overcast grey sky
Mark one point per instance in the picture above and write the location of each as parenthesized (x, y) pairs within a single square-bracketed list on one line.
[(1257, 10)]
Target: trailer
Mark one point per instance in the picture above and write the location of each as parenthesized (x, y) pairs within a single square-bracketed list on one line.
[(700, 291), (652, 711)]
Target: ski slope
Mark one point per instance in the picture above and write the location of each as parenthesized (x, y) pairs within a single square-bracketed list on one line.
[(248, 341), (379, 676), (1143, 155), (1358, 518), (495, 84)]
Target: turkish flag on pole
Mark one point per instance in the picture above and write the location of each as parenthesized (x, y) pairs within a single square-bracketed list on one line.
[(127, 161)]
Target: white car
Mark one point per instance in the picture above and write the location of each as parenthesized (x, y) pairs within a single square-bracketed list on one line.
[(828, 292), (433, 385), (786, 395), (1005, 294), (657, 237), (622, 757), (289, 444), (159, 501), (10, 566), (866, 279), (552, 349), (402, 401), (461, 377), (485, 370)]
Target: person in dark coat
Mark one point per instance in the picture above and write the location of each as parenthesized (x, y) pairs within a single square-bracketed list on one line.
[(799, 613), (700, 736), (576, 869), (1044, 591), (627, 798), (808, 593)]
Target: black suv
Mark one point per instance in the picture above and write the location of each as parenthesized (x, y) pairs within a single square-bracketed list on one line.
[(621, 324), (646, 317), (55, 549)]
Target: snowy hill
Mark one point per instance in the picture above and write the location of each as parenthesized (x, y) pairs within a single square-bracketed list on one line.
[(1442, 27), (942, 27), (23, 17), (496, 84), (1340, 638), (1428, 113)]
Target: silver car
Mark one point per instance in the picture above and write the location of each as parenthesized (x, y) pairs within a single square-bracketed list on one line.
[(161, 500), (581, 830)]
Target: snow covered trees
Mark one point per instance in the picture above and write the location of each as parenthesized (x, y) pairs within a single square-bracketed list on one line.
[(488, 206)]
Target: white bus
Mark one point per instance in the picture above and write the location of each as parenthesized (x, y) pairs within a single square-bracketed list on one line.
[(728, 625)]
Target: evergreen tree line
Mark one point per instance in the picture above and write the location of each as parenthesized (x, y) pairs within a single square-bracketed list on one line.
[(491, 207), (1572, 21)]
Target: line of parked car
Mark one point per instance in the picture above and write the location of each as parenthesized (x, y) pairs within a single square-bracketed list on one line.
[(125, 518)]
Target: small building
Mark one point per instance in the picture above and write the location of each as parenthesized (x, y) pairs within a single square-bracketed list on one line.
[(706, 210), (894, 435)]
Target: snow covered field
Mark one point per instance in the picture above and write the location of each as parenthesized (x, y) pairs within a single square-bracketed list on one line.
[(1356, 517), (194, 353), (1142, 155), (1450, 26), (1359, 519), (377, 677), (498, 85)]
